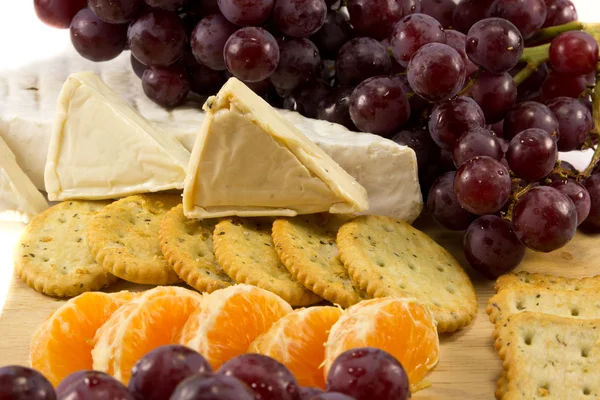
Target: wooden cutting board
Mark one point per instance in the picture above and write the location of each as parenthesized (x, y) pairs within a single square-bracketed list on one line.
[(468, 367)]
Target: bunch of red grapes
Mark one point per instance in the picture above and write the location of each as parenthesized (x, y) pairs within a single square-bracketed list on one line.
[(176, 372), (445, 78)]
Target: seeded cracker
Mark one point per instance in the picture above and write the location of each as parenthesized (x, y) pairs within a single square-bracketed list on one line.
[(52, 255), (387, 257), (123, 238), (244, 248), (187, 245), (306, 246), (523, 278), (550, 357)]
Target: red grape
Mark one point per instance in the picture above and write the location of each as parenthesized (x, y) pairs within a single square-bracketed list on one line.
[(578, 195), (574, 120), (251, 54), (376, 18), (58, 13), (170, 5), (467, 12), (560, 85), (458, 40), (413, 32), (203, 80), (332, 396), (436, 72), (544, 219), (379, 105), (444, 207), (137, 67), (442, 10), (155, 376), (477, 142), (92, 385), (495, 44), (361, 58), (491, 246), (532, 154), (482, 185), (166, 86), (335, 107), (212, 387), (305, 98), (592, 185), (202, 8), (299, 62), (498, 129), (451, 118), (531, 87), (21, 383), (527, 15), (116, 11), (419, 139), (208, 40), (307, 393), (157, 38), (417, 103), (246, 12), (574, 53), (530, 114), (266, 377), (495, 94), (367, 374), (559, 12), (333, 34), (95, 39), (299, 18)]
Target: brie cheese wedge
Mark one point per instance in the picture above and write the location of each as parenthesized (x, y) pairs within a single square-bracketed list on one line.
[(249, 161), (101, 148)]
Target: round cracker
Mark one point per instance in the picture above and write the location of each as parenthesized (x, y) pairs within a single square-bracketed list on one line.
[(244, 248), (387, 257), (53, 256), (188, 248), (306, 246), (123, 238)]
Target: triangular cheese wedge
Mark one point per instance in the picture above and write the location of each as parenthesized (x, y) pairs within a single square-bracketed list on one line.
[(101, 148), (250, 161), (19, 198)]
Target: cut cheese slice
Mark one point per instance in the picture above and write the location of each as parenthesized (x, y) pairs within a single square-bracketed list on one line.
[(101, 148), (249, 161), (19, 198)]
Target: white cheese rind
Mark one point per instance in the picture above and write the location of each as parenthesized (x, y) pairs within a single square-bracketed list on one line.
[(101, 148)]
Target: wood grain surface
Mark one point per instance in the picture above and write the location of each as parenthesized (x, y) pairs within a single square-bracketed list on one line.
[(468, 367)]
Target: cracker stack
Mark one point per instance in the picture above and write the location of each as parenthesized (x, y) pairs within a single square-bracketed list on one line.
[(547, 333)]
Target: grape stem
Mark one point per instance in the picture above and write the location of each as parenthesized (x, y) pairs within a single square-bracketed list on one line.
[(533, 57), (514, 198), (551, 32), (596, 131)]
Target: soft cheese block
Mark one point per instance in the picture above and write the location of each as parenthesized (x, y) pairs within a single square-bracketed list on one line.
[(250, 161), (19, 198), (101, 148)]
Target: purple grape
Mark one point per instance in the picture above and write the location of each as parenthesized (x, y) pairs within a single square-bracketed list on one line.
[(307, 393), (530, 114), (559, 12), (442, 10), (495, 94), (203, 80), (21, 383), (246, 12), (413, 32), (527, 15), (202, 8), (95, 39), (306, 98), (578, 195), (544, 219), (436, 72), (419, 139), (379, 105), (137, 67), (477, 142), (574, 53), (361, 58), (376, 18), (332, 396), (495, 44), (482, 185), (58, 13), (208, 40), (336, 31), (299, 18), (491, 246), (116, 11), (166, 86), (156, 375), (212, 387), (169, 5), (157, 38), (592, 185), (532, 154), (468, 12), (368, 373), (266, 377), (559, 85), (444, 207), (417, 103), (298, 62), (335, 107), (458, 40), (574, 121), (531, 87), (251, 54), (92, 385), (451, 118)]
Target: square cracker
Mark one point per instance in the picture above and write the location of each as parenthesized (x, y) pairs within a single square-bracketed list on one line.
[(549, 357), (524, 278)]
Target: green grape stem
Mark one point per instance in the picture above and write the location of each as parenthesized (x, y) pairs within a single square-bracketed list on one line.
[(514, 198), (533, 57), (553, 31)]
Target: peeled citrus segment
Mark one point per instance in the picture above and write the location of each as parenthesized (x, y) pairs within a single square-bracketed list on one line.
[(298, 342), (230, 319), (150, 320), (402, 327), (63, 343)]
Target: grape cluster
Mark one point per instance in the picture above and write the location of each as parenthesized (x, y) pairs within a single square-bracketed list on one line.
[(175, 372)]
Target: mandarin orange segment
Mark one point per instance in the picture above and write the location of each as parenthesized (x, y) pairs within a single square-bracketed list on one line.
[(402, 327), (70, 331), (150, 320), (230, 319), (298, 342)]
